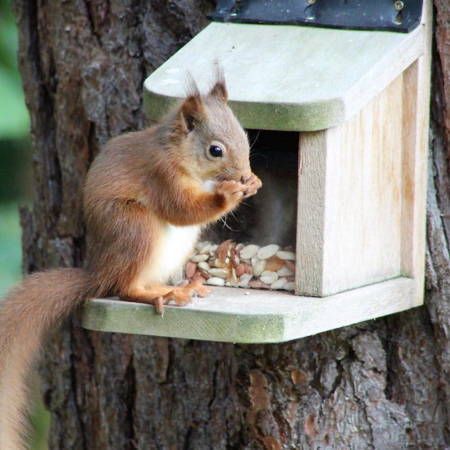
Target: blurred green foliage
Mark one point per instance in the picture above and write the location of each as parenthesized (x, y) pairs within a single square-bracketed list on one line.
[(10, 254), (15, 165), (14, 149), (15, 169), (14, 119)]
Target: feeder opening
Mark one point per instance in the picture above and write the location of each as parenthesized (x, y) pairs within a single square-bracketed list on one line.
[(254, 246)]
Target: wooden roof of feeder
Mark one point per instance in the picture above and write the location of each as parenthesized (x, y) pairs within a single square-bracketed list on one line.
[(289, 78)]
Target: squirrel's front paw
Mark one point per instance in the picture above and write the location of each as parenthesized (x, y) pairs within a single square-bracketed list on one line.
[(232, 191), (252, 184)]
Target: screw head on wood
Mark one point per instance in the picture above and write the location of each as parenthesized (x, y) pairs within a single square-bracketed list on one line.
[(399, 5)]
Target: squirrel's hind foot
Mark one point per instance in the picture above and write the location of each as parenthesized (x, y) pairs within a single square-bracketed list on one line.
[(158, 296), (183, 294)]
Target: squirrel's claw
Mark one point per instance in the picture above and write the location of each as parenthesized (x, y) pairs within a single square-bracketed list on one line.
[(199, 288), (182, 295), (252, 185), (232, 191), (159, 305)]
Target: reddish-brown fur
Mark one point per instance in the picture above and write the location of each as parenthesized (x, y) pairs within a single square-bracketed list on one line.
[(28, 313), (138, 183)]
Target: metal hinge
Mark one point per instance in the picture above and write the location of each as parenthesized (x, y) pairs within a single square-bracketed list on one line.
[(388, 15)]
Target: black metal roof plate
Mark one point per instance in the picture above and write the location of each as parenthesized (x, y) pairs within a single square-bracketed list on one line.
[(387, 15)]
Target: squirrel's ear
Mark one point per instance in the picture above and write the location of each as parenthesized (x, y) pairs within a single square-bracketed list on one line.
[(192, 112), (219, 90)]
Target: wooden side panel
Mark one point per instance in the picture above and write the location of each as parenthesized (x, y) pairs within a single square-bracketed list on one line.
[(350, 199), (416, 98), (362, 190), (363, 201)]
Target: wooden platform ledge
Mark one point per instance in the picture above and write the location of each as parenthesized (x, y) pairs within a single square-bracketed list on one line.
[(252, 316)]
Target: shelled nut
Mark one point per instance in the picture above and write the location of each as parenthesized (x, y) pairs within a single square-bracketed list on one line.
[(284, 272), (279, 284), (249, 251), (268, 277), (199, 258), (238, 265), (283, 254), (216, 281), (245, 279), (221, 273), (258, 266), (267, 251), (274, 263)]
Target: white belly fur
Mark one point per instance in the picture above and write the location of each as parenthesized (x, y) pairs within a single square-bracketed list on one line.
[(175, 245)]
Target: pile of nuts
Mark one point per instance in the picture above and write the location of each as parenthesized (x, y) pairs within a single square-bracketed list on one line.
[(239, 265)]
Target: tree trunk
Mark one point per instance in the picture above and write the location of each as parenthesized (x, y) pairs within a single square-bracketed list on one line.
[(383, 384)]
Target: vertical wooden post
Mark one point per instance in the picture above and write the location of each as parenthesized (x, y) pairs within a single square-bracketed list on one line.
[(349, 219), (311, 213), (415, 126)]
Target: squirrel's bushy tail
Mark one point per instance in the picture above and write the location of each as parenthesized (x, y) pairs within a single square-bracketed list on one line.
[(29, 311)]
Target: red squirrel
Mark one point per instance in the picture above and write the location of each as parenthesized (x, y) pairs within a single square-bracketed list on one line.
[(147, 195)]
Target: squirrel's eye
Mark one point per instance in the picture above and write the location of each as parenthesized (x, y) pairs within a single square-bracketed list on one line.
[(216, 151)]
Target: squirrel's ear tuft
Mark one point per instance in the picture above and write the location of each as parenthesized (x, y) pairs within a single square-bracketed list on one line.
[(192, 112), (219, 90)]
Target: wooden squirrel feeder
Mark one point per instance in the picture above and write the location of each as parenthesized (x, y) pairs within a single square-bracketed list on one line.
[(358, 103)]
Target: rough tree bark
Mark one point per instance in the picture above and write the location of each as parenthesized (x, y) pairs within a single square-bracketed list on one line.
[(383, 384)]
